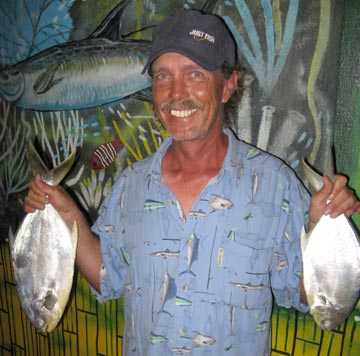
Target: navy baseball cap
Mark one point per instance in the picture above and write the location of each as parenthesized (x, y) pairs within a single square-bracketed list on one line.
[(204, 38)]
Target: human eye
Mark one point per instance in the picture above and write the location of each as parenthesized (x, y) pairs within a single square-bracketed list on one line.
[(161, 77), (194, 76), (197, 75)]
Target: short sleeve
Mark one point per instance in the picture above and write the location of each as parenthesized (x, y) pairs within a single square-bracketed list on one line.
[(286, 267), (108, 228)]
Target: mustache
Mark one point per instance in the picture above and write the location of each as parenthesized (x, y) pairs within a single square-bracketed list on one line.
[(186, 104)]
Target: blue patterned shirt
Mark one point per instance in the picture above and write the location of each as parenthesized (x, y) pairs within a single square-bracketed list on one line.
[(203, 284)]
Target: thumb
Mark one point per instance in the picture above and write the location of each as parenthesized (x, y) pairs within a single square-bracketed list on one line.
[(319, 201), (42, 188), (326, 192)]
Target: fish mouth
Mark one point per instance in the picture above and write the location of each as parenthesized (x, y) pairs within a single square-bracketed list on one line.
[(12, 84)]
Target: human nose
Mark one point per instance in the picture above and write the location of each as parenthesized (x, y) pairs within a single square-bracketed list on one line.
[(178, 88)]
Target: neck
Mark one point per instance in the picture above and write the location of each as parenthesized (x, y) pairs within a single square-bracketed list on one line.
[(206, 153)]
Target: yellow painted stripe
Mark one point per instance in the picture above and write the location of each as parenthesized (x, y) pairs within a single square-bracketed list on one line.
[(320, 49), (276, 8), (124, 141)]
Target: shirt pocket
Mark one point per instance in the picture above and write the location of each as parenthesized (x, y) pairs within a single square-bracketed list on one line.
[(240, 273)]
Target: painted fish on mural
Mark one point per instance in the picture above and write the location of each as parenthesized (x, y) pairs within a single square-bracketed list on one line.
[(104, 155), (331, 266), (101, 68), (43, 254)]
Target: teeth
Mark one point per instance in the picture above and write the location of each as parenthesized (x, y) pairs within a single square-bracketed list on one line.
[(182, 113)]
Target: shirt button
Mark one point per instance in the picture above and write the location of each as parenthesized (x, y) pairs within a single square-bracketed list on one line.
[(182, 332), (185, 287)]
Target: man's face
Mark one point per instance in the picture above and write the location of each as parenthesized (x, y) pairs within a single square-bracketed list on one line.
[(188, 99)]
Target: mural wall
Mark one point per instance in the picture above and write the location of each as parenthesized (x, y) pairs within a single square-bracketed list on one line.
[(70, 80), (347, 116)]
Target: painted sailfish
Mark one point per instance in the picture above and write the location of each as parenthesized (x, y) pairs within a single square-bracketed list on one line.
[(43, 254), (168, 291), (192, 252), (331, 265), (99, 69)]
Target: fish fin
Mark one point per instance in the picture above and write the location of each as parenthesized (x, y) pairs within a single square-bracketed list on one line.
[(46, 81), (36, 162), (74, 235), (11, 238), (330, 165), (143, 95), (209, 5), (58, 173), (314, 178), (110, 26), (45, 156), (304, 239), (55, 175)]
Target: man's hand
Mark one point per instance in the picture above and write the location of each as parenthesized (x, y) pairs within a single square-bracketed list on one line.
[(333, 199), (40, 194)]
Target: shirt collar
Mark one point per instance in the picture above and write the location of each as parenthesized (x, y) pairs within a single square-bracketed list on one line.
[(228, 164)]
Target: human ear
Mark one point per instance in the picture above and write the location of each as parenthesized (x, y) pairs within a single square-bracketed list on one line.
[(230, 86)]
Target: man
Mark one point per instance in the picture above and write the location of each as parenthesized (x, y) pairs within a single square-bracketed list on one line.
[(200, 236)]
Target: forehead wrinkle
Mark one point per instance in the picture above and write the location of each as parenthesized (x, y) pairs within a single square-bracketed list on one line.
[(183, 66)]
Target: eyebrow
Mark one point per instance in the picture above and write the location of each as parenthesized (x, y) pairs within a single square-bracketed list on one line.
[(183, 66)]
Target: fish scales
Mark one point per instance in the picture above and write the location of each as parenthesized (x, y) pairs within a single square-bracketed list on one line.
[(43, 260), (80, 74), (69, 70), (331, 265), (43, 254)]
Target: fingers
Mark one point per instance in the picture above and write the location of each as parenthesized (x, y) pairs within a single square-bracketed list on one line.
[(38, 195), (333, 199), (342, 199)]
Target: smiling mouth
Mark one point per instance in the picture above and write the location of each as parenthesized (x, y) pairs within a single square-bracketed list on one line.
[(182, 113)]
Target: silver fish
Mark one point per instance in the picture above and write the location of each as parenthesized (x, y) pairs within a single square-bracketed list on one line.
[(43, 255), (220, 203), (255, 183), (169, 290), (192, 246), (99, 69), (182, 350), (331, 266), (166, 254), (203, 340), (248, 286)]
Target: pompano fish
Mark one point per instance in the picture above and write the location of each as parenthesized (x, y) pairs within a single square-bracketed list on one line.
[(331, 266), (43, 255)]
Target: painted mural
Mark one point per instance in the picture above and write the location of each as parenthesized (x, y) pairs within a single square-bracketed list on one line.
[(70, 80)]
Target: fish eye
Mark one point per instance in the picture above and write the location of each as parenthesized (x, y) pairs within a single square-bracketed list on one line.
[(40, 323), (4, 76)]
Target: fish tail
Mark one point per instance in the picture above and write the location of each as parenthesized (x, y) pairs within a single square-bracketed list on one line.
[(55, 175), (314, 178), (163, 311), (11, 238), (187, 271)]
